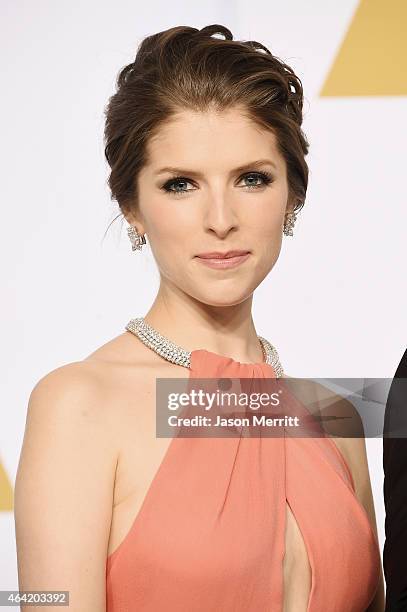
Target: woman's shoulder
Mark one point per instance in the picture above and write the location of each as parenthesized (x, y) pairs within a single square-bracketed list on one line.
[(104, 380), (117, 357)]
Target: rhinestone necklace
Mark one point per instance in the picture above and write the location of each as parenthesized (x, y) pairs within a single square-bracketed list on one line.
[(176, 354)]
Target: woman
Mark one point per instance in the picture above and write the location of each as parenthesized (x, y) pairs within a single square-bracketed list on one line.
[(204, 141)]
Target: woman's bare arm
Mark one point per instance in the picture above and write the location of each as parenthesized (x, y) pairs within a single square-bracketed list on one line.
[(64, 488)]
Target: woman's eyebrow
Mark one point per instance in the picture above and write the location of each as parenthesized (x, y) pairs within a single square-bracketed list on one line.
[(247, 166)]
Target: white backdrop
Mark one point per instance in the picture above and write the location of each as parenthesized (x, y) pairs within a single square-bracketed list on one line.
[(335, 303)]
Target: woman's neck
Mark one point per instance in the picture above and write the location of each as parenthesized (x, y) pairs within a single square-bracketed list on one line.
[(227, 331)]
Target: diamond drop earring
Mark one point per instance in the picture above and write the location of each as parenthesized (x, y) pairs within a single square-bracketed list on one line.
[(289, 224), (136, 239)]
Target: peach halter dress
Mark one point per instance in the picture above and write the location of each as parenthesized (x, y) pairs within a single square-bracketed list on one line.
[(210, 534)]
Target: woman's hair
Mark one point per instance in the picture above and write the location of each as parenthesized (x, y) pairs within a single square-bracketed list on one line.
[(184, 68)]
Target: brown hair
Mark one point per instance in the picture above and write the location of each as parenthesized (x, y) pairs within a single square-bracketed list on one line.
[(186, 68)]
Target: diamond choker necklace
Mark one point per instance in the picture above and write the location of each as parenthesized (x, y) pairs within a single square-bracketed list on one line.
[(176, 354)]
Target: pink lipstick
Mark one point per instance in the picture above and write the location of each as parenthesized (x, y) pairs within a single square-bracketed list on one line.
[(221, 261)]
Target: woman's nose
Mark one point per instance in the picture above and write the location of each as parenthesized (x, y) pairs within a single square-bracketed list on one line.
[(220, 215)]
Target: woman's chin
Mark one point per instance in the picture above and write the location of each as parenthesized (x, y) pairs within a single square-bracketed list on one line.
[(224, 299)]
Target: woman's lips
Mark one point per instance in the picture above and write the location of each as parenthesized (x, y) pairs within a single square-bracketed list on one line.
[(220, 264)]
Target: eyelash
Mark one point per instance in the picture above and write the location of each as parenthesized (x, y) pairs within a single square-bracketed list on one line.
[(265, 176)]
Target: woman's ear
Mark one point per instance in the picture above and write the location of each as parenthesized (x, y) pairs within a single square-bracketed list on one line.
[(292, 200), (133, 219)]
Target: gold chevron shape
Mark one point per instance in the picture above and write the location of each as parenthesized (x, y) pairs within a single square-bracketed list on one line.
[(6, 491), (371, 60)]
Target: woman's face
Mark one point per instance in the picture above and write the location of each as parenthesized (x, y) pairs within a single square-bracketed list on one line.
[(231, 194)]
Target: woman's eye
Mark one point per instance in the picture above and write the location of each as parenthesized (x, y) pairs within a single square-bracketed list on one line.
[(254, 177), (177, 182)]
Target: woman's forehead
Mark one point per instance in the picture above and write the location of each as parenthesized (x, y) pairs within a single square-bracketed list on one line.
[(230, 138)]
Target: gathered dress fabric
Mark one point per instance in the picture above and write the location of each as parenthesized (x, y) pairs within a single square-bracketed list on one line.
[(210, 533)]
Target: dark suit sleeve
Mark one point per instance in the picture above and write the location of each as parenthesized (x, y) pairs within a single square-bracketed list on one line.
[(395, 492)]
